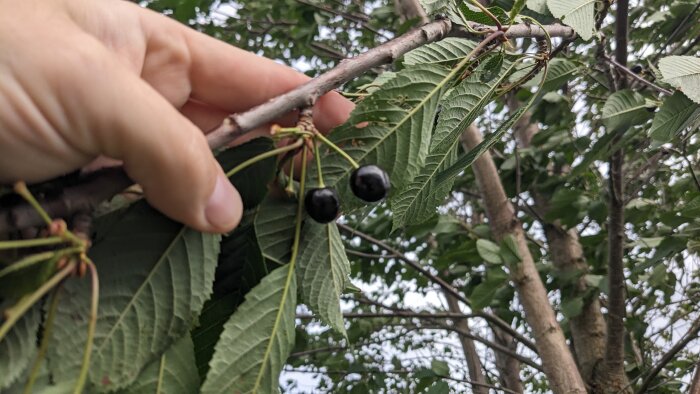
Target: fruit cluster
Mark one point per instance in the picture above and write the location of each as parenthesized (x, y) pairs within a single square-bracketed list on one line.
[(369, 183)]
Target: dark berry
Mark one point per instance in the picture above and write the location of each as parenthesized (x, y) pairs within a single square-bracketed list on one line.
[(637, 68), (370, 183), (322, 204)]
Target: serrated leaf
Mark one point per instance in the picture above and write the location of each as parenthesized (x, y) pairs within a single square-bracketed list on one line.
[(257, 339), (539, 6), (155, 275), (241, 267), (472, 14), (579, 14), (624, 109), (675, 115), (173, 373), (435, 6), (397, 134), (683, 73), (489, 251), (460, 108), (446, 177), (250, 182), (274, 228), (323, 271), (447, 51), (18, 348)]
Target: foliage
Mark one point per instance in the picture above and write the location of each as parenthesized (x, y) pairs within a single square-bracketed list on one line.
[(358, 305)]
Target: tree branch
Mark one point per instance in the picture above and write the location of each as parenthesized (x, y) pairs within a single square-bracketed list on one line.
[(104, 184), (440, 282)]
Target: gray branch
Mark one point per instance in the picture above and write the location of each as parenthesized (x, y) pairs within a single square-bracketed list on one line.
[(104, 184)]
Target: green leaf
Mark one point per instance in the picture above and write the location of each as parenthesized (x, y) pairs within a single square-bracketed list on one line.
[(489, 251), (440, 387), (518, 6), (257, 339), (579, 14), (173, 373), (18, 348), (440, 367), (624, 109), (593, 280), (323, 271), (274, 228), (472, 14), (683, 73), (572, 307), (539, 6), (460, 108), (251, 182), (241, 267), (675, 115), (399, 120), (509, 250), (484, 293), (25, 276), (447, 51), (559, 72), (435, 6), (155, 275)]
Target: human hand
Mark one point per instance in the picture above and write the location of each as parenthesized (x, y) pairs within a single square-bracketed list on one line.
[(80, 79)]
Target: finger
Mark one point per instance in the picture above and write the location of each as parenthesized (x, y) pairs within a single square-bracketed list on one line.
[(236, 80), (162, 150)]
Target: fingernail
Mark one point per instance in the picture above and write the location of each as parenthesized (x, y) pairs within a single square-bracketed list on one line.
[(224, 208)]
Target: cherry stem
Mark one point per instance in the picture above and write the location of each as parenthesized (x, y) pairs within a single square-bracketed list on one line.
[(94, 302), (12, 315), (318, 167), (21, 189), (337, 149), (488, 13), (263, 156), (30, 243), (300, 211), (45, 338)]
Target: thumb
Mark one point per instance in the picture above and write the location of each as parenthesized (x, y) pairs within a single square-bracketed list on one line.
[(164, 152)]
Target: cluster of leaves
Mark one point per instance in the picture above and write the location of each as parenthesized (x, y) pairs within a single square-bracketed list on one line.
[(182, 311)]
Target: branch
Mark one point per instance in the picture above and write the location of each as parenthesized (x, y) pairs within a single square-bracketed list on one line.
[(670, 355), (104, 184), (636, 77), (440, 282), (397, 314)]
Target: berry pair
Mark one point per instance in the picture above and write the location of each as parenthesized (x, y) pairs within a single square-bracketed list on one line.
[(369, 183)]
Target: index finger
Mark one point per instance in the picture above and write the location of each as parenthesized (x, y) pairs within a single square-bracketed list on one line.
[(236, 80)]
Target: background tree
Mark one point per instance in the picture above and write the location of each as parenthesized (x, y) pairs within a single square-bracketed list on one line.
[(541, 234)]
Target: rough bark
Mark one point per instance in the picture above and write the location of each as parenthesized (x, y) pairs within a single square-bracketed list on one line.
[(588, 329), (508, 367), (695, 383), (613, 378), (557, 361), (468, 347)]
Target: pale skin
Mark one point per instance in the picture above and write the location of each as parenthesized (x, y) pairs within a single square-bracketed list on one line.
[(82, 79)]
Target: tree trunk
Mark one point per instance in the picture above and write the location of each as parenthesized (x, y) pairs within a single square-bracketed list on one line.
[(695, 383), (508, 367), (470, 355), (557, 361), (588, 329)]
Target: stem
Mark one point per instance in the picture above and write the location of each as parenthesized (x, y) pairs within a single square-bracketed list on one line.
[(13, 314), (46, 336), (22, 190), (30, 243), (300, 209), (264, 156), (488, 13), (318, 167), (35, 259), (337, 149), (94, 301)]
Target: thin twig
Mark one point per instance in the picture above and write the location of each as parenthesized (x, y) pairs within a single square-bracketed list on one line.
[(440, 282), (636, 77)]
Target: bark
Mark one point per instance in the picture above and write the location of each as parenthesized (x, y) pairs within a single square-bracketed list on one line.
[(588, 329), (695, 383), (557, 361), (508, 367), (112, 181), (612, 376), (468, 347)]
